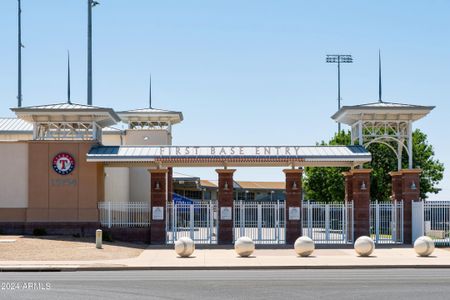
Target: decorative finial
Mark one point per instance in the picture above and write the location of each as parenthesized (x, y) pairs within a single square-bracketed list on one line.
[(379, 76), (150, 93), (68, 77)]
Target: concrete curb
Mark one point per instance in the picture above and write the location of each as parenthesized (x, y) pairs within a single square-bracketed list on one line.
[(144, 268)]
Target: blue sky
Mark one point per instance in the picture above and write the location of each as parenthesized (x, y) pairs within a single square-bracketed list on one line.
[(242, 72)]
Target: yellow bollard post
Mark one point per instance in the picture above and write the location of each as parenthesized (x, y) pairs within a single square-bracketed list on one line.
[(98, 238)]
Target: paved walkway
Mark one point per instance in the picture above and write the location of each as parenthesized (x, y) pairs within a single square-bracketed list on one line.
[(262, 258)]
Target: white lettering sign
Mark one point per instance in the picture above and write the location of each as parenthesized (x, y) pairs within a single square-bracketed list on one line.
[(294, 213), (225, 213), (227, 151), (158, 213)]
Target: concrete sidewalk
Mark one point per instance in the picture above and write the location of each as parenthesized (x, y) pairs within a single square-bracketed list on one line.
[(262, 258)]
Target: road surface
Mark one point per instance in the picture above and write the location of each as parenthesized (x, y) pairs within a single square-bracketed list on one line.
[(230, 284)]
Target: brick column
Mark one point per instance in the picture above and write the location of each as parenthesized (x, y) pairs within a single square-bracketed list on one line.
[(225, 197), (158, 197), (348, 198), (406, 187), (170, 183), (397, 189), (293, 204), (361, 201)]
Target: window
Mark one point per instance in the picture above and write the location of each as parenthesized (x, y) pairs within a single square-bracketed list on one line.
[(193, 194), (207, 195), (242, 195)]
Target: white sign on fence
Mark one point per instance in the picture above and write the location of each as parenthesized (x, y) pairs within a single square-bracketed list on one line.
[(158, 213), (225, 213), (294, 213)]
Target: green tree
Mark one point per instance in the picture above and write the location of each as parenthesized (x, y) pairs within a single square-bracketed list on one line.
[(326, 184)]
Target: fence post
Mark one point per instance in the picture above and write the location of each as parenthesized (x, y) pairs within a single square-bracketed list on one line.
[(242, 218), (327, 222), (211, 222), (277, 222), (259, 216), (191, 221), (344, 231), (377, 221), (310, 223), (395, 220), (175, 222), (109, 214), (417, 219), (353, 221)]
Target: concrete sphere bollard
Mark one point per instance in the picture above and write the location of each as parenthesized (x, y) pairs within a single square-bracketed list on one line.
[(184, 247), (244, 246), (304, 246), (424, 246), (364, 246)]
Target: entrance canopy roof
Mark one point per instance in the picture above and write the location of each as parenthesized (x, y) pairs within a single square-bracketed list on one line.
[(230, 156), (381, 111)]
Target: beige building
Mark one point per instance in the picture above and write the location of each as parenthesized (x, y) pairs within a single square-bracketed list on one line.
[(35, 195)]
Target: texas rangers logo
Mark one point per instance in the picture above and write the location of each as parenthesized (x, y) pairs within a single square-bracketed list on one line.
[(63, 163)]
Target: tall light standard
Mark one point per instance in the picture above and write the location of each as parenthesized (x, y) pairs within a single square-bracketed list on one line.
[(91, 4), (338, 59)]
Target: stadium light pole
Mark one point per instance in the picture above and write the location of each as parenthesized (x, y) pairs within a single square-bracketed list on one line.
[(338, 59), (91, 4)]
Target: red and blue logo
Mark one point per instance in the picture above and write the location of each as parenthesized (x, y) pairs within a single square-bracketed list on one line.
[(63, 163)]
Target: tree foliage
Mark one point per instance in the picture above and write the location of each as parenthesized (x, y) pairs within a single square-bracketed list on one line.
[(326, 184)]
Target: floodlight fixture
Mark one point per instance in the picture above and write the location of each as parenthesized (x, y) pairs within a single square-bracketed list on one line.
[(339, 59)]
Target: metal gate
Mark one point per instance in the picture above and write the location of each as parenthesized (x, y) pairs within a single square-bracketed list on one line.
[(386, 222), (197, 220), (264, 222), (328, 223), (431, 218)]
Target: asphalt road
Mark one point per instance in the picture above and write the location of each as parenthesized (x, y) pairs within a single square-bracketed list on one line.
[(230, 284)]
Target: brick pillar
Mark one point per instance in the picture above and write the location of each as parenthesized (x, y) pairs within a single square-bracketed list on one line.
[(406, 187), (361, 201), (158, 197), (293, 204), (396, 182), (170, 183), (348, 184), (348, 198), (225, 197)]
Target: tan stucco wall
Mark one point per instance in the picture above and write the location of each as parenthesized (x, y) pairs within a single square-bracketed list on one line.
[(14, 175), (51, 196), (111, 139), (15, 137), (147, 137), (139, 185), (117, 184)]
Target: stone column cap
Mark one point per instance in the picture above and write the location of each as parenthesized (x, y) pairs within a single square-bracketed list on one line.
[(411, 171), (405, 171), (360, 171), (158, 170), (287, 171), (220, 171)]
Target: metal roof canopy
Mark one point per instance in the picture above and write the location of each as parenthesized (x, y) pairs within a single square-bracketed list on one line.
[(387, 123), (67, 112), (230, 156), (381, 111), (67, 121), (151, 115)]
